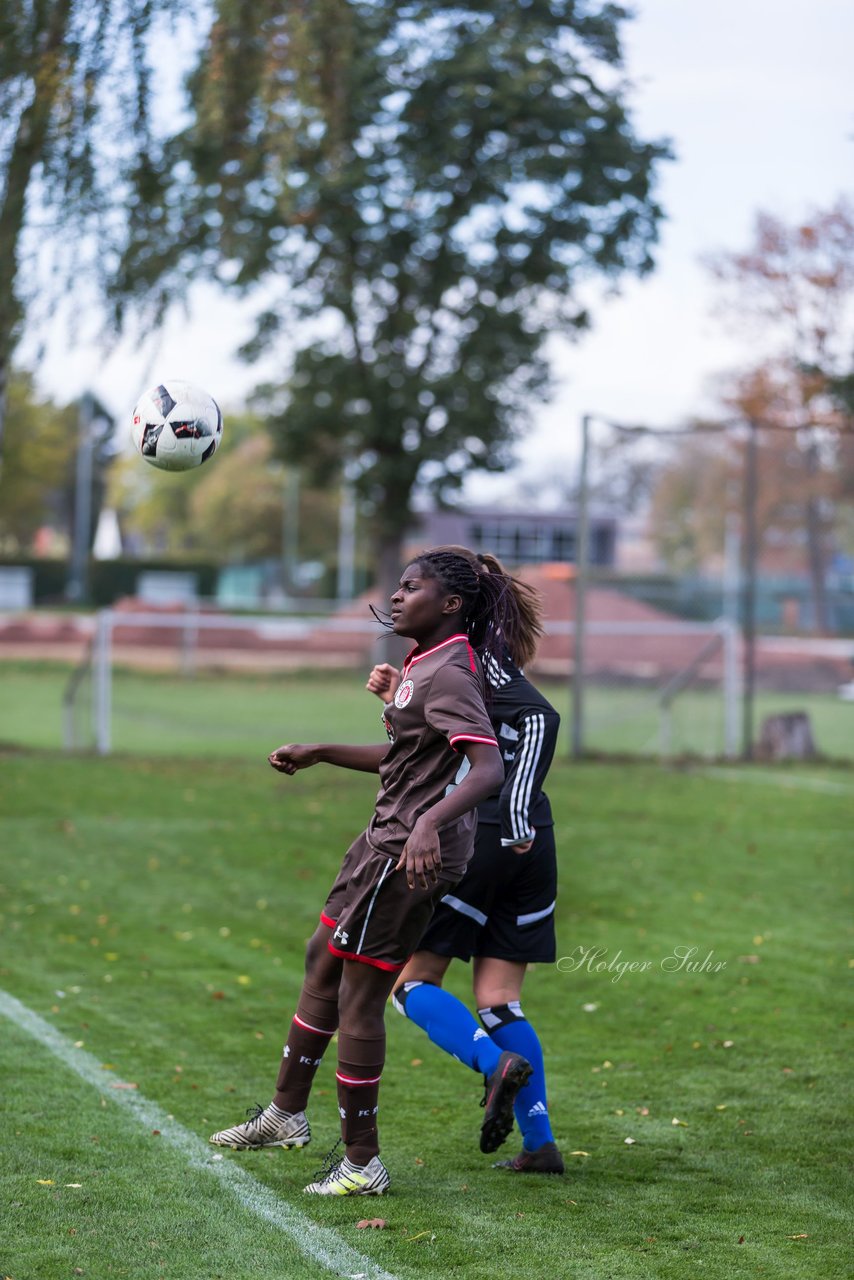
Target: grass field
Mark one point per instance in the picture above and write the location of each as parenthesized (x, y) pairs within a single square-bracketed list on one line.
[(230, 715), (154, 912)]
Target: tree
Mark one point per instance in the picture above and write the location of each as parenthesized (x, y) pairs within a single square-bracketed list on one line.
[(73, 114), (689, 501), (234, 511), (419, 188), (40, 447), (795, 286)]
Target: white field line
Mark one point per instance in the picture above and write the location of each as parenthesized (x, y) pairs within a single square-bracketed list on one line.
[(320, 1244), (792, 781)]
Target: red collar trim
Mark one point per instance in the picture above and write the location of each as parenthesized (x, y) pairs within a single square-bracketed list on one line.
[(414, 656)]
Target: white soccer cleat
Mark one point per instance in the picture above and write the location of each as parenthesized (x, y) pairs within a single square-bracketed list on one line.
[(348, 1179), (266, 1127)]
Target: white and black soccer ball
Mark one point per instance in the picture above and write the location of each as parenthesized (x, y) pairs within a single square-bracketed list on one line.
[(176, 426)]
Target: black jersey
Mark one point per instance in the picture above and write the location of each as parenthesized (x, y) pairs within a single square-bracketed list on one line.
[(526, 726)]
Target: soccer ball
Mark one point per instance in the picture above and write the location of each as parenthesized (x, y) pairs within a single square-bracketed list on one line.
[(177, 426)]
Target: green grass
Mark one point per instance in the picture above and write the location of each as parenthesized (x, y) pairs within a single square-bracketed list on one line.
[(168, 901), (229, 715)]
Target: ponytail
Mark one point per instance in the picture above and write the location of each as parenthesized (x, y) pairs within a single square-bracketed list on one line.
[(525, 625)]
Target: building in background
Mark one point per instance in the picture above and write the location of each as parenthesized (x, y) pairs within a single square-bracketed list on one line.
[(523, 537)]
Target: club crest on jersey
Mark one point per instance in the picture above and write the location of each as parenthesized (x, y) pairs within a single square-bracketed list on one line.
[(404, 694)]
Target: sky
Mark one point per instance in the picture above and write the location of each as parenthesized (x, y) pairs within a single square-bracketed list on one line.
[(757, 97)]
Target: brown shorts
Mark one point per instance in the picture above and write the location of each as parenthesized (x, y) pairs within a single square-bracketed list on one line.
[(377, 919)]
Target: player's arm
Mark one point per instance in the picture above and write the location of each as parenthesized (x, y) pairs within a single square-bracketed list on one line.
[(537, 727), (295, 756), (421, 854)]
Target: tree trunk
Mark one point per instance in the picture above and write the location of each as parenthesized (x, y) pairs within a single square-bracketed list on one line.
[(4, 378), (26, 153), (390, 648)]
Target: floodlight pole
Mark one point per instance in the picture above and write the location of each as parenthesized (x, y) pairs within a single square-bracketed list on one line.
[(347, 540), (582, 557), (77, 588), (290, 530), (751, 486)]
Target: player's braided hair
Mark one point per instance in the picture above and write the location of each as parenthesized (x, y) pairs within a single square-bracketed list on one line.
[(502, 615)]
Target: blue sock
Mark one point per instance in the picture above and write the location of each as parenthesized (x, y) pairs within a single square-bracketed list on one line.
[(531, 1108), (449, 1024)]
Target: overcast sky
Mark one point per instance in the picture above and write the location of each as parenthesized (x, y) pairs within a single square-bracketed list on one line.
[(758, 99)]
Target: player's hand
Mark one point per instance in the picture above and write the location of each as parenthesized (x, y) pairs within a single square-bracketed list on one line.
[(383, 681), (294, 756), (525, 847), (421, 855)]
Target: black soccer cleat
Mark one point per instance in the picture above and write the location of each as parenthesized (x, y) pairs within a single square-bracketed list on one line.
[(546, 1159), (511, 1073)]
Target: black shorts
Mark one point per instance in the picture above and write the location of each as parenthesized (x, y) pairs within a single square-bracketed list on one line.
[(504, 905), (377, 919)]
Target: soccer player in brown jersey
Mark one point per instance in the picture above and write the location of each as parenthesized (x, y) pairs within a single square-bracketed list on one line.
[(501, 914), (441, 762)]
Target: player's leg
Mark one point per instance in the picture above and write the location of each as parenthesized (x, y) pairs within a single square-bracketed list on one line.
[(376, 932), (283, 1123), (520, 931), (451, 1027), (498, 988), (419, 996), (361, 1057)]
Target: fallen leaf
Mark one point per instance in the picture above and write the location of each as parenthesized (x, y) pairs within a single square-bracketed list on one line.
[(590, 1008), (642, 1111), (728, 1044), (630, 1142), (721, 1106), (748, 959), (45, 1182), (124, 1084), (801, 1236), (73, 1184), (416, 1062), (217, 995), (579, 1153), (741, 1239), (682, 1123), (377, 1223), (155, 1133)]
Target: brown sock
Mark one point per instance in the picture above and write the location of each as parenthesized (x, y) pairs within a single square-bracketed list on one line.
[(314, 1024), (360, 1065)]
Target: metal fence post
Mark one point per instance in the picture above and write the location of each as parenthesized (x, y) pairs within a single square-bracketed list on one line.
[(102, 679), (581, 571)]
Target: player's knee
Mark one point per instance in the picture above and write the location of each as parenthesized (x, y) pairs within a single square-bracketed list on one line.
[(318, 959), (400, 994), (494, 1016)]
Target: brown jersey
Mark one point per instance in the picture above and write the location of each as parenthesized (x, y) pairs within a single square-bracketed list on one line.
[(438, 706)]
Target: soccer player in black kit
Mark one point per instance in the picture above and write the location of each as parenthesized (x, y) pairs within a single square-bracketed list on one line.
[(501, 914)]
